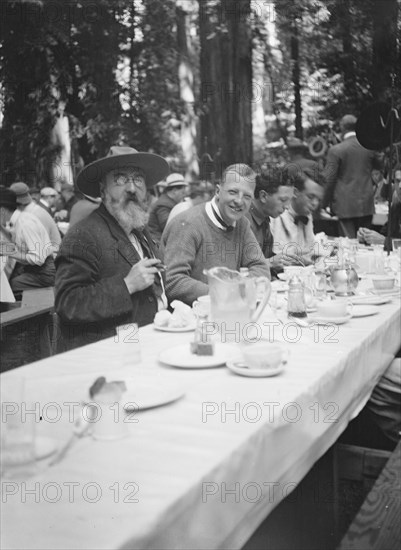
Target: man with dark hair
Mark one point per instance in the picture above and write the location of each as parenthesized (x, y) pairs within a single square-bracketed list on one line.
[(213, 234), (273, 192), (107, 272), (293, 230), (349, 188)]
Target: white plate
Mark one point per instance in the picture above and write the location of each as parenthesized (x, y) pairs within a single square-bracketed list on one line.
[(181, 357), (392, 292), (329, 320), (44, 447), (187, 328), (235, 366), (370, 300), (282, 276), (139, 397), (364, 311)]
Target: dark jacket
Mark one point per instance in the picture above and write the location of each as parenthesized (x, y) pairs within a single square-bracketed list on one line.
[(158, 216), (348, 176), (91, 297)]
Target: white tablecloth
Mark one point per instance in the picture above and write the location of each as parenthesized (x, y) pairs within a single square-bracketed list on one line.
[(184, 478), (6, 293)]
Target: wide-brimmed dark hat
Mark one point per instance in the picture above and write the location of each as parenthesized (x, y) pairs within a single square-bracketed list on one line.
[(373, 129), (154, 166)]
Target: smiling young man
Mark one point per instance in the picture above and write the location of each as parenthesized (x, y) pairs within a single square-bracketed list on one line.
[(107, 272), (293, 231), (213, 234)]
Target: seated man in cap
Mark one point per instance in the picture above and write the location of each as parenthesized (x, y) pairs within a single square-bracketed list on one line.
[(107, 273), (25, 203), (173, 193), (69, 199), (48, 197), (31, 252), (213, 234), (294, 240), (199, 192)]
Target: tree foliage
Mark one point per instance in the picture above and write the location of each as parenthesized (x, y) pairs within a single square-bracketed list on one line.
[(113, 67)]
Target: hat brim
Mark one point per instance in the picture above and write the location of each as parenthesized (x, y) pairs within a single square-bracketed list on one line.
[(369, 128), (155, 167)]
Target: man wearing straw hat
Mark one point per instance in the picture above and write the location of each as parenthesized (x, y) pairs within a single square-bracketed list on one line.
[(107, 272)]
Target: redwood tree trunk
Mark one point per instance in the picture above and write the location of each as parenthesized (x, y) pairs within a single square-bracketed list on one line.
[(296, 80), (226, 81), (385, 14)]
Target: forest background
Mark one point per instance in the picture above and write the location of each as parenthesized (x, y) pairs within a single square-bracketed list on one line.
[(204, 83)]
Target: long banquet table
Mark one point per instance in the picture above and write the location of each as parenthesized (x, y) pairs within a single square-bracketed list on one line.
[(205, 470)]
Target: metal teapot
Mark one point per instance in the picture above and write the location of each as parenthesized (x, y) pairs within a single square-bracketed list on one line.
[(344, 279)]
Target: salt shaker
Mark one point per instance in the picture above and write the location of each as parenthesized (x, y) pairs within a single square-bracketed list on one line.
[(296, 298)]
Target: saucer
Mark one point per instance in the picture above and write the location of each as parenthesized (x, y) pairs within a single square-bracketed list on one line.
[(182, 358), (239, 367), (364, 311), (370, 299), (187, 328), (44, 447), (388, 292), (329, 320)]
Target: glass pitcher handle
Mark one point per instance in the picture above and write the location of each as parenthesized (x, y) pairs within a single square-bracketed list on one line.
[(266, 295)]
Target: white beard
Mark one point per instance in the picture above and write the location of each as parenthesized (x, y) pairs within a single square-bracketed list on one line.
[(130, 215)]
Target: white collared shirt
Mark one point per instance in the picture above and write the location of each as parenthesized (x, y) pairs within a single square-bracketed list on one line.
[(211, 215)]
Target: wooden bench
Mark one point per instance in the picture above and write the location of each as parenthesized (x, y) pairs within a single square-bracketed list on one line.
[(378, 523), (37, 305)]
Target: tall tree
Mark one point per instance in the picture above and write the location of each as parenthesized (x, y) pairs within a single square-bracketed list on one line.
[(226, 81), (186, 83), (385, 16)]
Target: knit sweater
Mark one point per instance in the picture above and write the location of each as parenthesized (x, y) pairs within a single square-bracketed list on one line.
[(192, 243)]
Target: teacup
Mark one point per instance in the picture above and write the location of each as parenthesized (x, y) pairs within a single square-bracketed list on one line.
[(334, 308), (383, 282), (365, 262), (201, 306), (263, 355), (107, 420)]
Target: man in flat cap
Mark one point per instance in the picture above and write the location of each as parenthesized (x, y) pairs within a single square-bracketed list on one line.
[(25, 203), (349, 188), (30, 258), (174, 192), (107, 272)]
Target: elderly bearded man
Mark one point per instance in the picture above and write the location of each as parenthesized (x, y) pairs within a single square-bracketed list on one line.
[(213, 234), (107, 272)]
